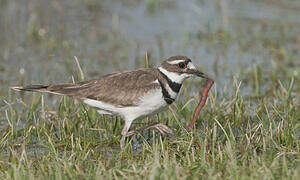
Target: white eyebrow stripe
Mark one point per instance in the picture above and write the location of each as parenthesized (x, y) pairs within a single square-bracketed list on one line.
[(175, 61), (191, 66)]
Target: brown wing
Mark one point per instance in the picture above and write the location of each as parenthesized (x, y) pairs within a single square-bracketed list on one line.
[(121, 89)]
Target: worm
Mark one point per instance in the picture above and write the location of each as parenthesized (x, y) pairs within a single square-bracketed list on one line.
[(208, 84)]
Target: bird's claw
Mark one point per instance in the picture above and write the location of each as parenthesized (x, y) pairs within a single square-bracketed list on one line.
[(163, 129)]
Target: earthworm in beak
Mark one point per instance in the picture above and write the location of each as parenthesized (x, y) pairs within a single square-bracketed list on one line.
[(208, 84)]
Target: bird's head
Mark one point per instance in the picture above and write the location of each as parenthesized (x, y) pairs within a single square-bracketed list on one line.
[(178, 68)]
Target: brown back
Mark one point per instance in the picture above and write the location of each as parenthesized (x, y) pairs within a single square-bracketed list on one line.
[(122, 89)]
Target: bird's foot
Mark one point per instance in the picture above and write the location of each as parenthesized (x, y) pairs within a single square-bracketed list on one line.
[(163, 129)]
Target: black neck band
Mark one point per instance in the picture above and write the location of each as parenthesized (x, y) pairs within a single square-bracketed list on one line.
[(165, 93), (173, 85)]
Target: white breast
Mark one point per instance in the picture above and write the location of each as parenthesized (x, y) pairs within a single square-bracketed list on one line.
[(151, 103)]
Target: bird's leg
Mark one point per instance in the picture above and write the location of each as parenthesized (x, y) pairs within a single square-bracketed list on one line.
[(124, 133), (122, 142), (163, 129)]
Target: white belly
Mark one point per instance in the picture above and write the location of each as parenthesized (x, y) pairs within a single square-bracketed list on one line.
[(149, 104)]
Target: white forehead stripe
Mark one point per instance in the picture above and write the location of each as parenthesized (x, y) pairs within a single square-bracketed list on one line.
[(175, 61), (191, 66)]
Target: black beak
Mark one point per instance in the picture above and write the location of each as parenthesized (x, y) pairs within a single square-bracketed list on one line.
[(200, 74)]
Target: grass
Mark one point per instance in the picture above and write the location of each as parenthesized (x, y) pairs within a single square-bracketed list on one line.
[(250, 136)]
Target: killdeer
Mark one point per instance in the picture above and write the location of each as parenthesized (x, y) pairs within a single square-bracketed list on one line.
[(130, 94)]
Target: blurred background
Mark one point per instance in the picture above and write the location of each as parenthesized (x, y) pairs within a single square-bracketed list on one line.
[(39, 38)]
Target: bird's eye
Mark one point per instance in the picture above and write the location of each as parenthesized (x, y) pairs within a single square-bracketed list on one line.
[(182, 65)]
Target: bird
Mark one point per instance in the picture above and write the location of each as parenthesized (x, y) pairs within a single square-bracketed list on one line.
[(131, 94)]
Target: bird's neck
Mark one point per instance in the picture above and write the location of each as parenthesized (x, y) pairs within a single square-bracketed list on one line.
[(173, 80)]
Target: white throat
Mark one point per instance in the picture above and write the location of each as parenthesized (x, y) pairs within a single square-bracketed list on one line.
[(178, 78)]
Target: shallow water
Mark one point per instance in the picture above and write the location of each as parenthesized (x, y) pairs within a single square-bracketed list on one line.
[(39, 39)]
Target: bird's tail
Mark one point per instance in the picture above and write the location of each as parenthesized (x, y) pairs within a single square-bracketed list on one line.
[(36, 88), (60, 89)]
